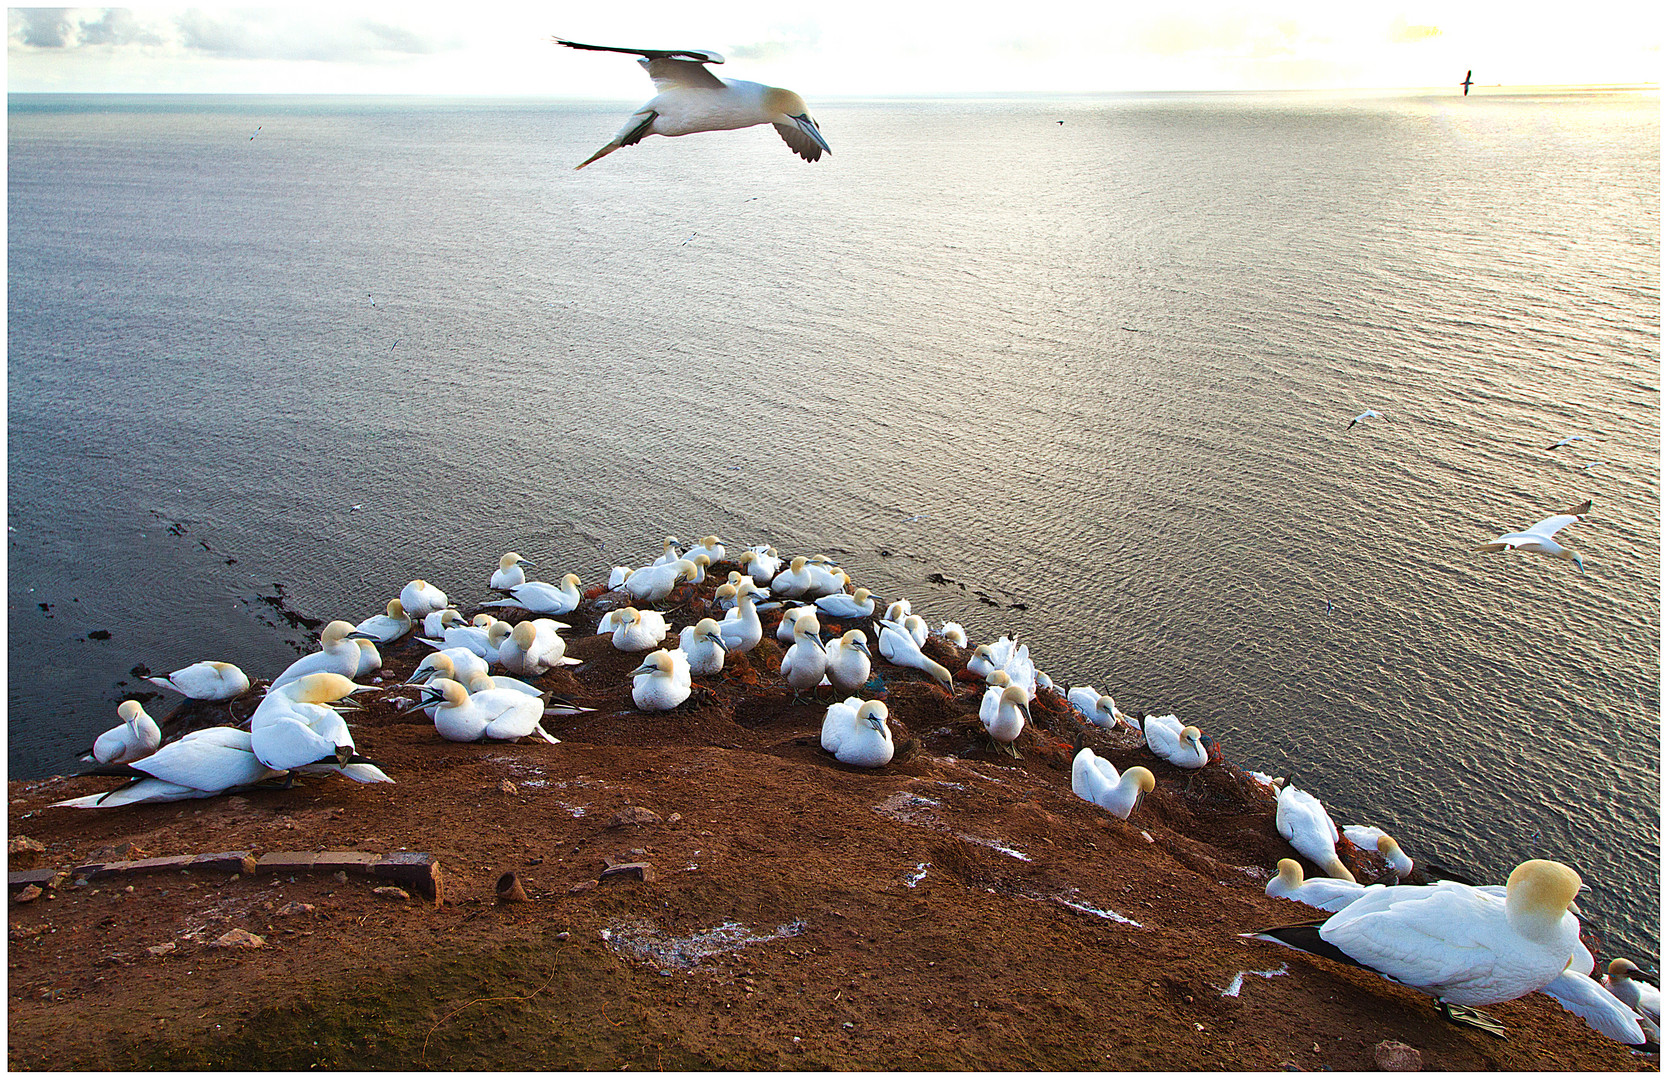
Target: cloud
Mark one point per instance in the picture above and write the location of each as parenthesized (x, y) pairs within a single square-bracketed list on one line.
[(1402, 33), (40, 28), (786, 43), (117, 26), (265, 35)]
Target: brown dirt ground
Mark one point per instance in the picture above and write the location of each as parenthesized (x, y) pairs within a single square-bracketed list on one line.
[(847, 961)]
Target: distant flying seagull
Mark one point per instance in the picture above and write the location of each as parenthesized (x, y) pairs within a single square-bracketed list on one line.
[(257, 132), (1467, 83), (1566, 441), (1369, 414), (1538, 537), (689, 98)]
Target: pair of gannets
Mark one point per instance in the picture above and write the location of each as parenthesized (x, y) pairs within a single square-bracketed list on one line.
[(459, 665), (388, 627), (900, 648), (543, 598), (1007, 655), (419, 598), (483, 641), (1097, 708), (206, 680), (294, 728), (534, 647), (1538, 537), (436, 622), (1004, 711), (509, 573), (137, 736), (856, 733), (707, 546), (199, 765), (661, 682), (636, 629), (762, 564), (689, 98), (1181, 746), (498, 713), (1304, 822), (1462, 945), (1097, 780)]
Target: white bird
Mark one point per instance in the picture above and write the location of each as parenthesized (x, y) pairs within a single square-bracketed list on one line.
[(436, 622), (617, 576), (370, 657), (652, 584), (388, 627), (294, 729), (669, 552), (137, 736), (741, 629), (1096, 707), (509, 573), (481, 682), (856, 605), (499, 714), (1370, 413), (708, 546), (1097, 780), (704, 647), (419, 598), (805, 662), (794, 581), (661, 682), (456, 664), (1538, 537), (790, 616), (199, 765), (1461, 945), (761, 564), (337, 652), (1636, 994), (848, 661), (954, 634), (1004, 711), (1372, 838), (917, 628), (483, 641), (1007, 654), (1578, 992), (543, 598), (856, 733), (638, 629), (826, 578), (1327, 893), (1304, 822), (1566, 440), (897, 611), (689, 98), (206, 680), (534, 647), (1181, 746), (899, 648)]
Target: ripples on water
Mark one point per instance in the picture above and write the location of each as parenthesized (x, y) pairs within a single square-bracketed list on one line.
[(1101, 369)]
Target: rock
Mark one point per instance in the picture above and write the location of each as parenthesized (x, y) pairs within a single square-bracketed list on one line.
[(391, 892), (506, 787), (27, 894), (238, 939), (1392, 1056), (23, 853), (161, 950), (635, 815), (581, 886), (296, 907), (673, 819), (340, 876), (640, 871)]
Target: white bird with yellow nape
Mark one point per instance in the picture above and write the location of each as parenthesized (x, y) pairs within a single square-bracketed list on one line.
[(1097, 780), (509, 573), (419, 598), (636, 629), (898, 647), (1304, 822), (543, 598), (388, 627), (704, 647), (137, 736), (856, 733), (855, 605), (206, 680), (534, 647), (199, 765), (661, 682), (1182, 746), (690, 98), (848, 662), (652, 584), (805, 662), (337, 652), (499, 714), (1539, 537)]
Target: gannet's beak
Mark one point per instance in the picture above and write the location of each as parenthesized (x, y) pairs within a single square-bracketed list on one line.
[(804, 123), (864, 647)]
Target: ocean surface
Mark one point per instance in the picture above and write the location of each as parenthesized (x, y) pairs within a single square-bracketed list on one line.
[(1089, 360)]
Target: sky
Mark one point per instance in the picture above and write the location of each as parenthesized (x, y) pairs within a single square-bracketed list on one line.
[(854, 48)]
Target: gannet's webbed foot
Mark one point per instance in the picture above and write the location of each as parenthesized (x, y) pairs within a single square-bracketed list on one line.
[(1460, 1014)]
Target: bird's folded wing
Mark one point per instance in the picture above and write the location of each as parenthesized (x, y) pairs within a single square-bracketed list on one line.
[(1438, 937), (799, 141), (1583, 996)]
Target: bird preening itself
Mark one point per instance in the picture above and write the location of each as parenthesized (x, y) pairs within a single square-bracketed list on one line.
[(690, 98)]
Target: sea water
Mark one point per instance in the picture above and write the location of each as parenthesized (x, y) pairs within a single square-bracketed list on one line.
[(1078, 369)]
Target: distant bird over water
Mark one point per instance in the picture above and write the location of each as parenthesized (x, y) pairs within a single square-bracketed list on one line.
[(1466, 85), (690, 98), (1566, 441), (1370, 414)]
